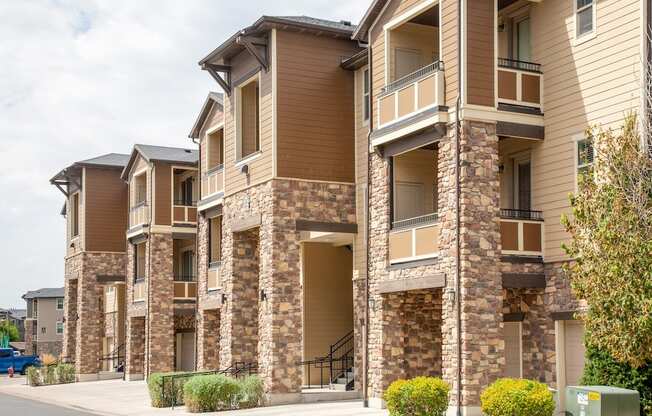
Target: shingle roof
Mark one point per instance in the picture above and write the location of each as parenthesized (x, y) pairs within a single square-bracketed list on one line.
[(168, 154), (46, 292), (109, 159), (18, 313), (329, 24)]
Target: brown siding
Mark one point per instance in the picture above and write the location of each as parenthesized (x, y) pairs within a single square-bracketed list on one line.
[(106, 210), (449, 49), (480, 52), (315, 137), (214, 118), (162, 194)]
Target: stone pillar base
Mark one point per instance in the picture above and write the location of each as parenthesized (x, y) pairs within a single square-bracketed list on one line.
[(276, 399), (81, 378), (466, 411), (134, 377)]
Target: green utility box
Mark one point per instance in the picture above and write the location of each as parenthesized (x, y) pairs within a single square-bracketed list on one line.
[(601, 401)]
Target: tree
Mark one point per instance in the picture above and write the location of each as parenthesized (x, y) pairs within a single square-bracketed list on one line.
[(10, 330), (611, 244)]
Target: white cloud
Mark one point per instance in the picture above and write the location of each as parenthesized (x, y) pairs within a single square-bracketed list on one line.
[(80, 78)]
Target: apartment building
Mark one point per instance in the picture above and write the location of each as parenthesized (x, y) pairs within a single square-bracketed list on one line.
[(95, 260), (17, 318), (276, 221), (161, 287), (44, 322), (464, 264)]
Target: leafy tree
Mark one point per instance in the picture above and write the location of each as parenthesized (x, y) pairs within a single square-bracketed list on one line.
[(611, 244), (10, 330)]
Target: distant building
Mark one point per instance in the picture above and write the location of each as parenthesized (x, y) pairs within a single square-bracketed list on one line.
[(16, 317), (44, 321)]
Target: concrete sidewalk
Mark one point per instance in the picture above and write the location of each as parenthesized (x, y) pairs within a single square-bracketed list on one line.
[(117, 397)]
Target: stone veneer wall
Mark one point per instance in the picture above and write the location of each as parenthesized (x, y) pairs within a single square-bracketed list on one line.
[(90, 325), (135, 351), (279, 203), (29, 336), (208, 339), (49, 347), (70, 291)]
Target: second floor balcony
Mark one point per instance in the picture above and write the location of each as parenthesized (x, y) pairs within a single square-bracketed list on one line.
[(520, 86), (521, 232)]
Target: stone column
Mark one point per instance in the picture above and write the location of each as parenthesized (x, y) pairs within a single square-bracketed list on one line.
[(159, 330), (89, 325), (135, 348), (480, 279), (208, 339), (70, 319), (29, 336)]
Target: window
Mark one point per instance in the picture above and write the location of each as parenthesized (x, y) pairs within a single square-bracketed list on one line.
[(74, 214), (187, 265), (59, 328), (215, 240), (60, 304), (43, 330), (584, 17), (523, 184), (248, 103), (366, 103), (185, 192), (584, 157), (5, 353), (140, 188), (215, 150), (522, 33), (139, 261)]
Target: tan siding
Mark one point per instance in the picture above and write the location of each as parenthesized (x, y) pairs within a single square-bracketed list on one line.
[(315, 97), (260, 169), (480, 52), (214, 118), (361, 177), (163, 194), (588, 83), (449, 49), (106, 210)]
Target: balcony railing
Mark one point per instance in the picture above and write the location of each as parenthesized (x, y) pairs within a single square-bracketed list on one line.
[(184, 212), (520, 83), (414, 239), (521, 232), (182, 277), (185, 289), (139, 290), (413, 93), (139, 214), (213, 181), (213, 277)]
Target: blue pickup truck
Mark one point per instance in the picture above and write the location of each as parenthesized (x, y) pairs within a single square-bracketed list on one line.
[(20, 363)]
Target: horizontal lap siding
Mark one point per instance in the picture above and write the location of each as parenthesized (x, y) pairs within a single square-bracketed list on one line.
[(480, 52), (449, 48), (260, 169), (361, 177), (214, 118), (594, 82), (163, 194), (105, 210), (315, 96)]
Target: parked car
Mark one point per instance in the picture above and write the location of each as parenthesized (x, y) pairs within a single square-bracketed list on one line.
[(19, 363)]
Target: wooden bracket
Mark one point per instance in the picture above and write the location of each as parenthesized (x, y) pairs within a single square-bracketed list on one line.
[(225, 82), (59, 187), (250, 44)]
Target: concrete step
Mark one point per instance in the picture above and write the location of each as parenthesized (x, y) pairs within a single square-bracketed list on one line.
[(328, 396), (109, 375)]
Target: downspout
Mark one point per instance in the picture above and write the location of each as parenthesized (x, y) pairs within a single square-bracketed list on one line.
[(458, 302), (365, 355), (197, 252), (149, 274)]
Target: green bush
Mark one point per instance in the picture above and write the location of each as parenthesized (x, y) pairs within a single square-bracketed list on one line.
[(517, 397), (65, 373), (49, 374), (34, 376), (602, 369), (173, 393), (251, 392), (420, 396), (210, 393)]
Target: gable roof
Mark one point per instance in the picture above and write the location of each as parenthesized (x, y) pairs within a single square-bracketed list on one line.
[(213, 99), (109, 160), (46, 292), (368, 19), (230, 47), (161, 154)]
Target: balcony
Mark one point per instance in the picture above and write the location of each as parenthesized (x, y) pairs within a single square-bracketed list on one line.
[(213, 181), (520, 86), (185, 287), (414, 239), (421, 90), (184, 212), (521, 232), (213, 278), (140, 290), (139, 214)]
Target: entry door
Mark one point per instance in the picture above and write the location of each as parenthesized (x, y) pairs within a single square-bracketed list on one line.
[(513, 353), (523, 40), (523, 179), (406, 62), (574, 351), (185, 351)]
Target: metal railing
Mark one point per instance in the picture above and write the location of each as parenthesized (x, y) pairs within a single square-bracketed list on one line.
[(520, 65), (172, 384), (117, 357), (185, 277), (185, 203), (410, 78), (138, 205), (521, 214), (337, 364), (413, 222)]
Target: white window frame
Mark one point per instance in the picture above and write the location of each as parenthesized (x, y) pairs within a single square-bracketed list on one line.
[(366, 96), (59, 324), (580, 38), (60, 308), (576, 142), (74, 215), (239, 159)]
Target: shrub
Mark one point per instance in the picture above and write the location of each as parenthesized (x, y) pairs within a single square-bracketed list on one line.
[(65, 373), (602, 369), (517, 397), (49, 374), (419, 396), (34, 376), (251, 392), (173, 393), (48, 360), (210, 393)]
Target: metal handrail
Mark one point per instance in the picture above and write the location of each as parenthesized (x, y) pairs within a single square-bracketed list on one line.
[(411, 222), (521, 214), (412, 77), (520, 65), (331, 360), (214, 169), (184, 203), (185, 278), (138, 205)]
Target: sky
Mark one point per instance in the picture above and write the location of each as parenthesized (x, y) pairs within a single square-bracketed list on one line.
[(83, 78)]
